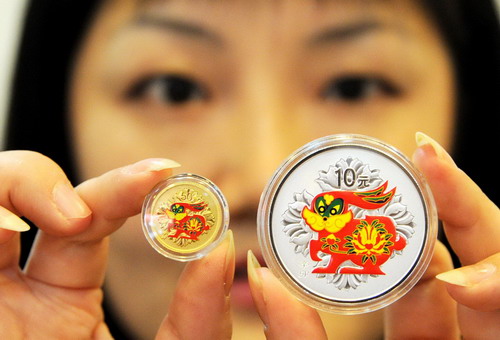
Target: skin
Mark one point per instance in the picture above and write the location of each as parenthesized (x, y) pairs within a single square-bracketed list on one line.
[(67, 266), (263, 72)]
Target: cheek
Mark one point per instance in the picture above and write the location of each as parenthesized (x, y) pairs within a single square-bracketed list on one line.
[(427, 106), (113, 136), (105, 141), (395, 123)]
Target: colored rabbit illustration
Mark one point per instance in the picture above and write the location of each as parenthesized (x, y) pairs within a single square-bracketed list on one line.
[(367, 242)]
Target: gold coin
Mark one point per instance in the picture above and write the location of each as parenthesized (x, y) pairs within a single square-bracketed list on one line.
[(185, 217)]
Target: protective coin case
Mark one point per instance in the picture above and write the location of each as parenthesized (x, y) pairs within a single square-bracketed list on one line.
[(347, 224), (185, 217)]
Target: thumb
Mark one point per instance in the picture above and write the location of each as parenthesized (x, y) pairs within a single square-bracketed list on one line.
[(284, 316), (200, 308)]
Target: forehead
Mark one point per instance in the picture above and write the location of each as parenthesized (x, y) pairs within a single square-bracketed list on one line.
[(263, 24), (277, 14)]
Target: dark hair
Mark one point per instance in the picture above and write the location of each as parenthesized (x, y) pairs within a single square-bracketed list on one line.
[(38, 121), (472, 31)]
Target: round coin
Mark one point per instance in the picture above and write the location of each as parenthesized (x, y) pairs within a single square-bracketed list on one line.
[(348, 224), (185, 217)]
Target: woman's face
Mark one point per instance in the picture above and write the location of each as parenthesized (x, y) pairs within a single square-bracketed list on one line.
[(229, 89)]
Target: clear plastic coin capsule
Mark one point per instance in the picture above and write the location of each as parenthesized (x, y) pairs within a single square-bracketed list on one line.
[(185, 217), (347, 224)]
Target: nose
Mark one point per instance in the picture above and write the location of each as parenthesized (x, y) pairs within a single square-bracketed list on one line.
[(262, 136)]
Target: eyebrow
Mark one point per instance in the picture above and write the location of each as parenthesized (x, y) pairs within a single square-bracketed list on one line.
[(345, 32), (187, 29)]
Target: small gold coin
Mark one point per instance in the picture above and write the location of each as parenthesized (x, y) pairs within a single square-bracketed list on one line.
[(185, 217)]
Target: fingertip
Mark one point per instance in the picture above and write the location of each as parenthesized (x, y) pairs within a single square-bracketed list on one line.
[(150, 165), (475, 286), (427, 146), (69, 204), (128, 185), (10, 221), (468, 276), (252, 267)]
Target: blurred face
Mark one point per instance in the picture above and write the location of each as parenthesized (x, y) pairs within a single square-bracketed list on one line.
[(229, 89)]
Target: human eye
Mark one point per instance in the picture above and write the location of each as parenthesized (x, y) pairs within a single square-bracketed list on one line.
[(168, 90), (358, 88)]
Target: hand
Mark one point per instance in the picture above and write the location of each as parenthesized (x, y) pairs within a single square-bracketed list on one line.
[(429, 310), (471, 222), (58, 295)]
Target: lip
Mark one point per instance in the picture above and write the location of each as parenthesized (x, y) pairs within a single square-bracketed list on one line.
[(241, 296)]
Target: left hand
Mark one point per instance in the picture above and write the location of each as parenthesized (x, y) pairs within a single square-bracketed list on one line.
[(471, 222), (58, 295)]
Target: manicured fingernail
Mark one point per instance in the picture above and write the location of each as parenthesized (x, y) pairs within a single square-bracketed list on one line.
[(257, 293), (68, 202), (423, 140), (151, 165), (468, 276), (252, 266), (12, 222), (229, 264)]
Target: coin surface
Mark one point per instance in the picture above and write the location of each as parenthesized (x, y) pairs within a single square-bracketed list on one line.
[(348, 224), (184, 217)]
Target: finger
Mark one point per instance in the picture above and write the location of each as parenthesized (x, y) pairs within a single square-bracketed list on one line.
[(469, 216), (10, 221), (427, 311), (10, 225), (35, 187), (200, 308), (79, 261), (477, 290), (476, 286), (284, 317)]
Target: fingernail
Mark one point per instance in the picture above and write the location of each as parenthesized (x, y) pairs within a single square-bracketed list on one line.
[(468, 276), (423, 140), (12, 222), (151, 165), (68, 202), (254, 277), (229, 264), (252, 266)]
